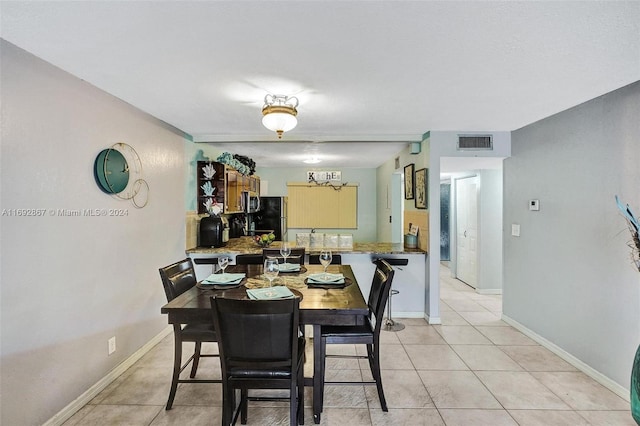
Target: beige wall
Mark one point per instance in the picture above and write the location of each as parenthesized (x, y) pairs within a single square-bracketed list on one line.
[(71, 283)]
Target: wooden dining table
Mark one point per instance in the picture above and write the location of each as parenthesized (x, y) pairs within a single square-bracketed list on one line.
[(318, 307)]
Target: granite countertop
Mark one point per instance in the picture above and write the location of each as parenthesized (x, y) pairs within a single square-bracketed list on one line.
[(246, 245)]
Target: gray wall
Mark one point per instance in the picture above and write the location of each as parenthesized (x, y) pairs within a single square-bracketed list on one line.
[(275, 180), (70, 283), (569, 277)]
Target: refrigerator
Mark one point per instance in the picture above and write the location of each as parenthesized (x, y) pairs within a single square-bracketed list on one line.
[(273, 215)]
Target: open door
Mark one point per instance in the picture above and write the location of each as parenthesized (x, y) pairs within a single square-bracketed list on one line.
[(467, 230)]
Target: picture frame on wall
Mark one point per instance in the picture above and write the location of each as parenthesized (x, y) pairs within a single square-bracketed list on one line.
[(408, 182), (422, 188)]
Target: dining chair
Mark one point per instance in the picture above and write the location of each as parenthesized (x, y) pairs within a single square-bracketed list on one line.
[(249, 259), (176, 279), (367, 333), (260, 348), (314, 259), (296, 253)]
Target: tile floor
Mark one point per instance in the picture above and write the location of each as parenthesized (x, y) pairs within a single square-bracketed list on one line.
[(473, 369)]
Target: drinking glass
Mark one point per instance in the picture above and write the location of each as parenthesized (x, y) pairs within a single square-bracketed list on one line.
[(325, 260), (223, 262), (271, 269), (285, 251)]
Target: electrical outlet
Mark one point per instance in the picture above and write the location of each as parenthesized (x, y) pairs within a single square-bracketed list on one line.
[(112, 345)]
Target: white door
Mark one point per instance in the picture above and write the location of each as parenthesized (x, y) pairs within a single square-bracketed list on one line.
[(467, 230)]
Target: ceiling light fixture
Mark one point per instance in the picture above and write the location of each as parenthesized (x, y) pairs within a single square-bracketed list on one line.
[(313, 160), (279, 113)]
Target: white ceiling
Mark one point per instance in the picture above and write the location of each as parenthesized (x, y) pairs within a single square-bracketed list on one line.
[(363, 71)]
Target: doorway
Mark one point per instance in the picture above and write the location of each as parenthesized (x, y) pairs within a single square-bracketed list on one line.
[(445, 237), (466, 215)]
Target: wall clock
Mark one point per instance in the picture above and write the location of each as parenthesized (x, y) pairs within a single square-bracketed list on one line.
[(118, 172)]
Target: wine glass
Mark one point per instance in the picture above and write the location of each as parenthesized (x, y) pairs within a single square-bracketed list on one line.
[(285, 250), (325, 260), (223, 262), (271, 269)]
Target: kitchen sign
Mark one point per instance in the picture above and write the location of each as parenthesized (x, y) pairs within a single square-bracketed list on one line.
[(323, 176)]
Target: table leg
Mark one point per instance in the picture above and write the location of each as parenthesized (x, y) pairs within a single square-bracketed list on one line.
[(317, 373)]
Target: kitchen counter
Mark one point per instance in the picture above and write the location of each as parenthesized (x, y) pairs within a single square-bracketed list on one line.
[(247, 245)]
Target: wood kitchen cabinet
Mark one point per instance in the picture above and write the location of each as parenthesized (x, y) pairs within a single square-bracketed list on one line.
[(319, 206)]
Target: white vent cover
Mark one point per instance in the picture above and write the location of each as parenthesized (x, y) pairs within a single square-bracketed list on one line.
[(475, 143)]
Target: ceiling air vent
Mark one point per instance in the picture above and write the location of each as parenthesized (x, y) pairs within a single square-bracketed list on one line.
[(475, 142)]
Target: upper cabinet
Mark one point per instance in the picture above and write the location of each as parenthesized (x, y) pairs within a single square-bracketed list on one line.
[(225, 186)]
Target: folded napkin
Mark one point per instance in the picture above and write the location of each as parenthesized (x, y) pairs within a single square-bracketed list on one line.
[(223, 279), (328, 279), (289, 267), (269, 293)]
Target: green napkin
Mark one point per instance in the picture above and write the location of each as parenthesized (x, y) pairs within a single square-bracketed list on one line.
[(289, 267), (269, 293), (223, 279), (328, 279)]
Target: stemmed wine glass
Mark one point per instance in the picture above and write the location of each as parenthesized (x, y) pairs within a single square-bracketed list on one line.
[(223, 262), (271, 269), (285, 251), (325, 260)]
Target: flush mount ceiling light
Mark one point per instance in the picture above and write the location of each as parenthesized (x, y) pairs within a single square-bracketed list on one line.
[(279, 113), (313, 160)]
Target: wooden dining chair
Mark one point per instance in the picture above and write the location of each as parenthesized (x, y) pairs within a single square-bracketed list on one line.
[(249, 259), (176, 279), (297, 253), (260, 348), (367, 333), (314, 259)]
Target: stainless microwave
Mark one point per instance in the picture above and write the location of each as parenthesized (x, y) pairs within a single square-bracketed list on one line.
[(250, 202)]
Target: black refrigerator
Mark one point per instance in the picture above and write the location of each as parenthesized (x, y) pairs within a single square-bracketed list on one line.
[(273, 215)]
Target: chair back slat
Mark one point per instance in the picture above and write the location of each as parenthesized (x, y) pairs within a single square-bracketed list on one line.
[(178, 278), (379, 293), (297, 253)]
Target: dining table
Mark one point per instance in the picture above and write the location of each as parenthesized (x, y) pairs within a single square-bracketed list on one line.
[(320, 305)]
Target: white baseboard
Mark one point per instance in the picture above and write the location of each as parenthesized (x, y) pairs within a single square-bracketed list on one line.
[(407, 315), (73, 407), (433, 320), (589, 371)]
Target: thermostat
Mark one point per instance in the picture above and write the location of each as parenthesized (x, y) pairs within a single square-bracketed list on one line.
[(534, 205)]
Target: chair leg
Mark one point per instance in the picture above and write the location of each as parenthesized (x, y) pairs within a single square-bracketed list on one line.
[(228, 404), (300, 399), (177, 363), (323, 360), (196, 359), (293, 401), (378, 377), (244, 405)]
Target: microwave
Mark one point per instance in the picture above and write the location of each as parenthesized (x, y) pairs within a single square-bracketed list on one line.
[(250, 202)]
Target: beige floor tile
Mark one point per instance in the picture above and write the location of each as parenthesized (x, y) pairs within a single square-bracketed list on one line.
[(267, 416), (195, 416), (392, 357), (417, 322), (580, 391), (537, 358), (144, 386), (483, 318), (117, 415), (390, 337), (452, 318), (505, 336), (402, 389), (78, 415), (492, 305), (465, 305), (444, 307), (608, 418), (434, 357), (485, 357), (342, 417), (547, 418), (344, 396), (457, 389), (461, 335), (420, 335), (466, 417), (520, 390), (406, 416), (341, 363)]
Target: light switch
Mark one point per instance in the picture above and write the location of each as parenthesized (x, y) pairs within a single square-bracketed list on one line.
[(515, 229)]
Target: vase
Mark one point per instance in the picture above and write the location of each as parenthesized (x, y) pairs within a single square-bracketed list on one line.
[(635, 388)]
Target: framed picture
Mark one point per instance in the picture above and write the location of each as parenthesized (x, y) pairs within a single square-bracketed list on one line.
[(408, 182), (422, 184)]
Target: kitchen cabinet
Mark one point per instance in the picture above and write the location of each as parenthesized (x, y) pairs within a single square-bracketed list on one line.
[(227, 185), (323, 206)]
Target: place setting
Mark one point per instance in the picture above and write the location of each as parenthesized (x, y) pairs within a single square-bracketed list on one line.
[(326, 280), (223, 280)]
